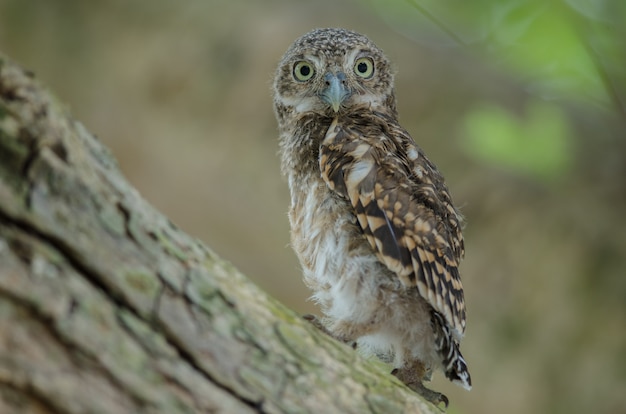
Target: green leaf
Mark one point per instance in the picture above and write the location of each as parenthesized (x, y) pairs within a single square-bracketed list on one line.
[(535, 144)]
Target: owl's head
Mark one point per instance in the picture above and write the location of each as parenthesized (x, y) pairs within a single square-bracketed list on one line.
[(333, 71)]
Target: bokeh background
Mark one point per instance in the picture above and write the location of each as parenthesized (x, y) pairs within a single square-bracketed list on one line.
[(522, 105)]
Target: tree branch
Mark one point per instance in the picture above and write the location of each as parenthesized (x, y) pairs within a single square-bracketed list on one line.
[(107, 307)]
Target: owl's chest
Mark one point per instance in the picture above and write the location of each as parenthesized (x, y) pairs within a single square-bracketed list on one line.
[(324, 233)]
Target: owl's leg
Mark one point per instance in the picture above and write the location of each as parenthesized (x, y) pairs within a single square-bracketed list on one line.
[(413, 376)]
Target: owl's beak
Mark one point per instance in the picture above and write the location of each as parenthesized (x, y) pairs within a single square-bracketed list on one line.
[(335, 92)]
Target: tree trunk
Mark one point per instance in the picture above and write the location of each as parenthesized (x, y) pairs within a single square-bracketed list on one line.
[(107, 307)]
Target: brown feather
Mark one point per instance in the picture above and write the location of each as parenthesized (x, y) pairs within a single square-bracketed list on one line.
[(404, 209)]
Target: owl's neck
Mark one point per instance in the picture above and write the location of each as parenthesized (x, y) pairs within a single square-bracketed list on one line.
[(301, 136), (299, 146)]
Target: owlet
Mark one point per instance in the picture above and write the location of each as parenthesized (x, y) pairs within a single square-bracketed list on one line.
[(372, 220)]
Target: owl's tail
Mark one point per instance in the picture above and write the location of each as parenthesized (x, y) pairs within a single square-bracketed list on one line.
[(454, 364)]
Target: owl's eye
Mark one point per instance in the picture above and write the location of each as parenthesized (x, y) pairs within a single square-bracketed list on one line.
[(303, 71), (364, 67)]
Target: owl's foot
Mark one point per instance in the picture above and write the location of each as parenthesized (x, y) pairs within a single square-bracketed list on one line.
[(413, 380), (315, 321)]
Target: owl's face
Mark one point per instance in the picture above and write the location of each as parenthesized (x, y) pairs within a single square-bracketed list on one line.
[(333, 71)]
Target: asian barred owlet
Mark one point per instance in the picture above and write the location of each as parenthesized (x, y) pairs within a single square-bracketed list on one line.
[(372, 221)]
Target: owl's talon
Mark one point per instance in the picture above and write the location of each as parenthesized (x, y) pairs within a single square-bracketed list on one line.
[(316, 322), (412, 380)]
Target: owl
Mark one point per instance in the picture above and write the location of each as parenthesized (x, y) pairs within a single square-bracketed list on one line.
[(372, 221)]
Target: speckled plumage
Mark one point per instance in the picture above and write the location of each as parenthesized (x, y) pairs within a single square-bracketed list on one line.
[(372, 220)]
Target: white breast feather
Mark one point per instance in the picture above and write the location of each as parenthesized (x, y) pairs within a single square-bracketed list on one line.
[(348, 285)]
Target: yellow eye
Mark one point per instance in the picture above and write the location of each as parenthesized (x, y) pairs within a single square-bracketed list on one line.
[(303, 71), (364, 67)]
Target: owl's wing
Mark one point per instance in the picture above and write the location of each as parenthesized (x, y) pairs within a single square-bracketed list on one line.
[(402, 206)]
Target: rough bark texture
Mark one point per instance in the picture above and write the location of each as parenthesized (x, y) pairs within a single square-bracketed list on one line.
[(107, 307)]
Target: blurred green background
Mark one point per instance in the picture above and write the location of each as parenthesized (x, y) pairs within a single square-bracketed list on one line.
[(520, 103)]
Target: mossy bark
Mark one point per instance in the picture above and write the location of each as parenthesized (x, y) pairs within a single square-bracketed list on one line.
[(107, 307)]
